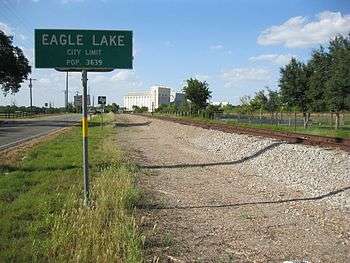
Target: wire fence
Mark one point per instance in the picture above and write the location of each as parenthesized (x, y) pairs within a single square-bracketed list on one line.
[(287, 119), (317, 119), (19, 115)]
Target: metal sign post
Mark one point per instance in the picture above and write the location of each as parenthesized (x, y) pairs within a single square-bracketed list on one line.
[(85, 126)]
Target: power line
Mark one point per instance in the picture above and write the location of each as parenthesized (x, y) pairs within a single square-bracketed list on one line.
[(21, 20), (24, 42), (13, 15)]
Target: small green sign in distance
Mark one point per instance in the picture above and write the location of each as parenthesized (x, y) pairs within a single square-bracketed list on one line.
[(67, 49)]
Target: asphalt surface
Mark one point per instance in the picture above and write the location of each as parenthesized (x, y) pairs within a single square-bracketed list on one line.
[(14, 132)]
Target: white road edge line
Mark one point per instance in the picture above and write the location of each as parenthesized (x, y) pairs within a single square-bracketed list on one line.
[(11, 144)]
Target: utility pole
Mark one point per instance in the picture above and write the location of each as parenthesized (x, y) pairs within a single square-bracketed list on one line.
[(31, 93), (66, 93), (65, 97)]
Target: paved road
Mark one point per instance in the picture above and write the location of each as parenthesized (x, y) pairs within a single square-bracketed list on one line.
[(13, 132)]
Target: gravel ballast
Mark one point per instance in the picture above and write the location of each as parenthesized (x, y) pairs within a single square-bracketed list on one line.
[(313, 170)]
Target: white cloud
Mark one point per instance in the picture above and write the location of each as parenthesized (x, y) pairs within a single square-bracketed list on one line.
[(125, 75), (121, 80), (19, 38), (221, 49), (45, 81), (201, 77), (277, 59), (216, 47), (241, 76), (29, 54), (22, 37), (6, 28), (299, 32)]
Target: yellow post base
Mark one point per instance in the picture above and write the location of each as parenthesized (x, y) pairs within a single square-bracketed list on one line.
[(85, 125)]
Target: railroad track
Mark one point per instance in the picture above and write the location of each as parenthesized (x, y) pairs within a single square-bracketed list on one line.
[(315, 140)]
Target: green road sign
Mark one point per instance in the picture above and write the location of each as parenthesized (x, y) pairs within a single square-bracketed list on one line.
[(83, 49)]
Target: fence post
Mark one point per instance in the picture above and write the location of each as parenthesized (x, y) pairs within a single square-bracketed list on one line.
[(289, 120), (331, 119)]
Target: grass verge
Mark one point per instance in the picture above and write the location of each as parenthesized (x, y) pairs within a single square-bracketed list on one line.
[(41, 213)]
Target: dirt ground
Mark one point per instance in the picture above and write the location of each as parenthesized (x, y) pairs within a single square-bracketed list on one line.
[(196, 208)]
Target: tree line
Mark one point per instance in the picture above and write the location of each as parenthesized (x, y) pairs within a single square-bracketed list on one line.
[(49, 110), (322, 84)]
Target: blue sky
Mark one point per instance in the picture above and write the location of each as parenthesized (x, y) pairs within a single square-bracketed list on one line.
[(236, 46)]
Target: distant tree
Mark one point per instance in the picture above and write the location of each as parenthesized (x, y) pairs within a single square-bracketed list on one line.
[(337, 90), (14, 66), (197, 92), (319, 68), (135, 108), (229, 108), (211, 110), (184, 106), (162, 108), (112, 108), (273, 103), (71, 107), (138, 109), (259, 102), (143, 109), (172, 107), (244, 105), (294, 87)]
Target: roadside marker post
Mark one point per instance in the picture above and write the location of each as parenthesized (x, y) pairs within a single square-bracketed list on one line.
[(103, 111), (82, 51), (102, 118), (102, 101)]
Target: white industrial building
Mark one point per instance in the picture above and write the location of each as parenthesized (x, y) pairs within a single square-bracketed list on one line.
[(152, 99), (177, 98)]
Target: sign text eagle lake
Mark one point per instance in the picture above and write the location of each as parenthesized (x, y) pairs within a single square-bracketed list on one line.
[(83, 49)]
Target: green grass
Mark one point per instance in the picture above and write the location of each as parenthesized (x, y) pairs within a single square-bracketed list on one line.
[(41, 213), (342, 132)]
